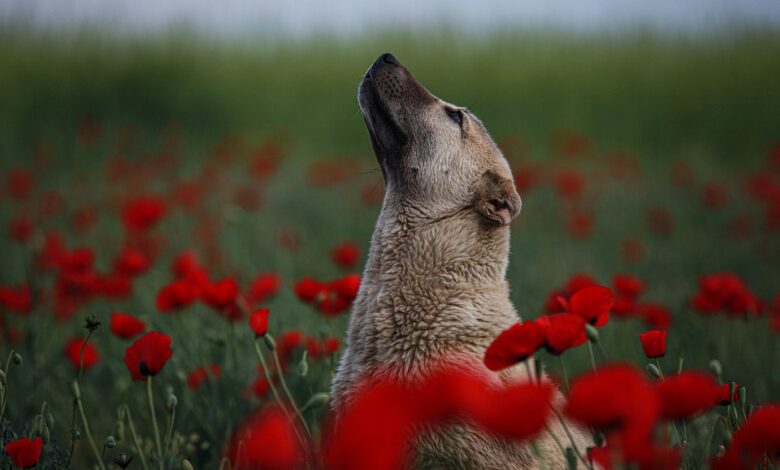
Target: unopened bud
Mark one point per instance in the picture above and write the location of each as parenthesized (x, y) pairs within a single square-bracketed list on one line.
[(716, 368), (269, 342), (17, 358), (110, 442), (74, 389), (592, 333), (742, 394), (316, 400), (49, 420), (186, 465), (653, 370), (303, 366), (172, 402), (46, 434)]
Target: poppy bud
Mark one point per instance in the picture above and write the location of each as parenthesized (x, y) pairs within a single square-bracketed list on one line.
[(653, 370), (74, 388), (592, 333), (110, 442), (316, 400), (49, 420), (742, 394), (186, 465), (17, 358), (172, 402), (716, 368), (303, 366), (269, 342), (46, 434)]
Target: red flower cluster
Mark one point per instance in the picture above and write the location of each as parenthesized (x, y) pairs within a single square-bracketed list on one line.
[(725, 292), (759, 435), (330, 298), (142, 213), (627, 304), (197, 377), (17, 299)]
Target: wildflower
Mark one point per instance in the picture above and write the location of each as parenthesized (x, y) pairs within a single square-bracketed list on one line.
[(148, 355), (143, 213), (73, 353), (258, 321), (346, 255), (263, 287), (25, 452), (686, 395), (515, 344), (268, 440), (562, 331), (126, 326), (653, 343)]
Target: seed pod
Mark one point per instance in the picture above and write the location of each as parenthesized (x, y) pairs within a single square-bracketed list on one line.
[(269, 342), (653, 370), (110, 442), (17, 358), (172, 402), (742, 394), (716, 368), (49, 420), (592, 333)]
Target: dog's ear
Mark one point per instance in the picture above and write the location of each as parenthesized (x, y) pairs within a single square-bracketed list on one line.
[(496, 198)]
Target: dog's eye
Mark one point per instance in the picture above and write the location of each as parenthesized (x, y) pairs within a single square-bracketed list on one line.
[(456, 115)]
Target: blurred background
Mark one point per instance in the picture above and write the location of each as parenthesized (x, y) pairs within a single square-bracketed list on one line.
[(644, 137)]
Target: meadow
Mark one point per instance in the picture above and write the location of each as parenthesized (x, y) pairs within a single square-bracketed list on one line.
[(644, 161)]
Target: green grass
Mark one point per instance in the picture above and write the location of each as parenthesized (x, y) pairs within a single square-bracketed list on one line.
[(712, 102)]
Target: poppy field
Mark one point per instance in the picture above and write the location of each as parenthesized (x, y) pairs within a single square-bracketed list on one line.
[(184, 226)]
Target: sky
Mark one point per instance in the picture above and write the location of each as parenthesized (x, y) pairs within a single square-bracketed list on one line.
[(303, 17)]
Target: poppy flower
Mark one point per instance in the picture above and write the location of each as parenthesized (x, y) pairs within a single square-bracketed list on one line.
[(263, 287), (686, 395), (148, 355), (653, 343), (198, 377), (73, 353), (268, 440), (724, 396), (515, 344), (308, 289), (258, 321), (331, 345), (562, 331), (126, 326), (759, 435), (132, 262), (25, 452), (592, 303), (142, 213), (17, 299), (523, 411), (346, 255), (655, 315), (221, 294), (183, 263), (347, 287), (176, 296), (627, 285), (260, 387)]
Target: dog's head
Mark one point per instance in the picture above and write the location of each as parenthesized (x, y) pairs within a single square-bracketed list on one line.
[(435, 154)]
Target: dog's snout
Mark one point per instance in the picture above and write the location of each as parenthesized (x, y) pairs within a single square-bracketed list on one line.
[(389, 58)]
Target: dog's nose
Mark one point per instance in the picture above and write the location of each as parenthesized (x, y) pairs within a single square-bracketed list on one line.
[(388, 58)]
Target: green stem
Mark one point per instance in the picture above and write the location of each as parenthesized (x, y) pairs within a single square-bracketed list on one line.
[(719, 419), (267, 373), (571, 438), (154, 417), (660, 371), (565, 375), (88, 433), (5, 389), (287, 391), (138, 448), (169, 434), (592, 356)]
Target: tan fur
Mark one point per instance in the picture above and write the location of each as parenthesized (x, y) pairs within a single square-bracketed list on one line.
[(434, 285)]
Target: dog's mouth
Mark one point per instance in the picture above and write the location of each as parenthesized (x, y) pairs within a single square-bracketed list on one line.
[(388, 97)]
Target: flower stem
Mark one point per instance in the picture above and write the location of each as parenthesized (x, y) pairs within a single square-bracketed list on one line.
[(154, 418), (571, 438), (287, 391), (135, 438), (84, 422), (565, 375), (592, 356), (169, 434), (267, 373), (660, 371)]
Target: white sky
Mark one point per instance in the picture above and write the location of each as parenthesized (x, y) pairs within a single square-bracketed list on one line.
[(300, 17)]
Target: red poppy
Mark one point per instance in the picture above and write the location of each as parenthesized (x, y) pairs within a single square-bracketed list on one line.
[(346, 254), (562, 331), (347, 287), (592, 303), (759, 435), (221, 294), (260, 387), (263, 287), (176, 296), (515, 344), (184, 263), (17, 299), (655, 315), (198, 377), (653, 343), (258, 321), (73, 353), (725, 292), (308, 289), (148, 355), (132, 262), (724, 395), (331, 345), (126, 326), (268, 440), (627, 285), (25, 452), (143, 213), (517, 412), (685, 395)]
